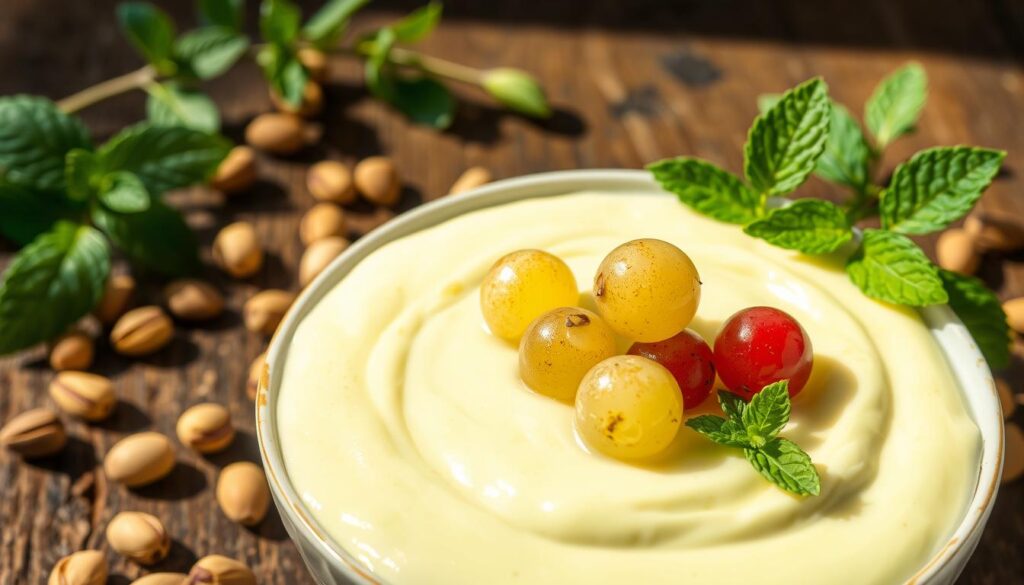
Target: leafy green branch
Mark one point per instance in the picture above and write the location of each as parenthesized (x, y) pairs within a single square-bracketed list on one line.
[(412, 82), (803, 131), (67, 201)]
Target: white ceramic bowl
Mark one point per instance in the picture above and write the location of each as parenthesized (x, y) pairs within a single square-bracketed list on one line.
[(330, 564)]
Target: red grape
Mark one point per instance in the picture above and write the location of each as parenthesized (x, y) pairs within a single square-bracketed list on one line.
[(762, 345), (689, 359)]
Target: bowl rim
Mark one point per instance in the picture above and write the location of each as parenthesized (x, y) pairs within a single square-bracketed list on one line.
[(962, 355)]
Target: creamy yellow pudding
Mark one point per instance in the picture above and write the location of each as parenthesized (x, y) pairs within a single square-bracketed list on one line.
[(406, 429)]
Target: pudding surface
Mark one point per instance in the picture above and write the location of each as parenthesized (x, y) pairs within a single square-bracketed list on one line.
[(406, 430)]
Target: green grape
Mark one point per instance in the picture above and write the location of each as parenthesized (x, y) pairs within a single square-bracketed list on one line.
[(647, 290), (628, 407), (559, 347), (522, 286)]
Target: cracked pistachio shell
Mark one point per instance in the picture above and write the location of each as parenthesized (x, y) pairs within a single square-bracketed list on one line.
[(34, 433), (85, 395), (139, 536), (142, 331), (86, 567), (206, 428), (242, 493), (376, 178), (72, 351), (237, 250), (193, 300), (263, 311), (220, 570)]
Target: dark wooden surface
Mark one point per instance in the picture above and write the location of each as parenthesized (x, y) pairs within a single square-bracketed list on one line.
[(632, 82)]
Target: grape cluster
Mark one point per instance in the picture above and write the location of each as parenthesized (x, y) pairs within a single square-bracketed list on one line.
[(646, 291)]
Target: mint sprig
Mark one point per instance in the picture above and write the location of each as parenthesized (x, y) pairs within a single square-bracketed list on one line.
[(754, 428), (802, 130), (66, 201)]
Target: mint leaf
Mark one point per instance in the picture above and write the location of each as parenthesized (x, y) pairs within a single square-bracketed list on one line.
[(417, 24), (767, 413), (150, 30), (279, 21), (170, 104), (378, 80), (35, 137), (285, 73), (811, 226), (50, 284), (982, 313), (25, 214), (936, 187), (847, 156), (732, 405), (157, 239), (124, 192), (767, 101), (424, 100), (893, 109), (785, 142), (890, 267), (210, 51), (81, 171), (719, 430), (226, 13), (326, 26), (708, 189), (786, 465), (164, 157)]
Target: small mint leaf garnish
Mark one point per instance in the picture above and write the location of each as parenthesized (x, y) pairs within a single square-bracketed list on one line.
[(708, 189), (936, 187), (786, 141), (811, 226), (890, 267), (786, 465), (982, 313), (893, 109), (754, 428)]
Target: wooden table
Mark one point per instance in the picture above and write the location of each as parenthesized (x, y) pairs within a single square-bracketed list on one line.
[(632, 82)]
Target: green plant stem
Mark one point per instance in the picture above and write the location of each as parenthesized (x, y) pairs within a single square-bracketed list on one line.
[(425, 63), (863, 204), (107, 89)]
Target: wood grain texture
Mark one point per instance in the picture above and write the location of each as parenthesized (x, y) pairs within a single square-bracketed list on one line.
[(631, 81)]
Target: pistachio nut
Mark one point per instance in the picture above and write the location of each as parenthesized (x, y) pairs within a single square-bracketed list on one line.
[(142, 331), (317, 256), (995, 233), (323, 220), (242, 493), (139, 459), (206, 428), (161, 579), (139, 536), (116, 297), (330, 180), (252, 384), (311, 105), (263, 311), (237, 172), (471, 178), (85, 567), (220, 570), (193, 300), (955, 251), (34, 433), (237, 250), (72, 351), (276, 133), (377, 179), (315, 62), (1014, 309), (85, 395)]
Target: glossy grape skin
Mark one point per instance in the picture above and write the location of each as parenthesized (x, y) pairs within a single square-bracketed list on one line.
[(762, 345), (522, 286), (628, 407), (647, 290), (690, 360), (558, 349)]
